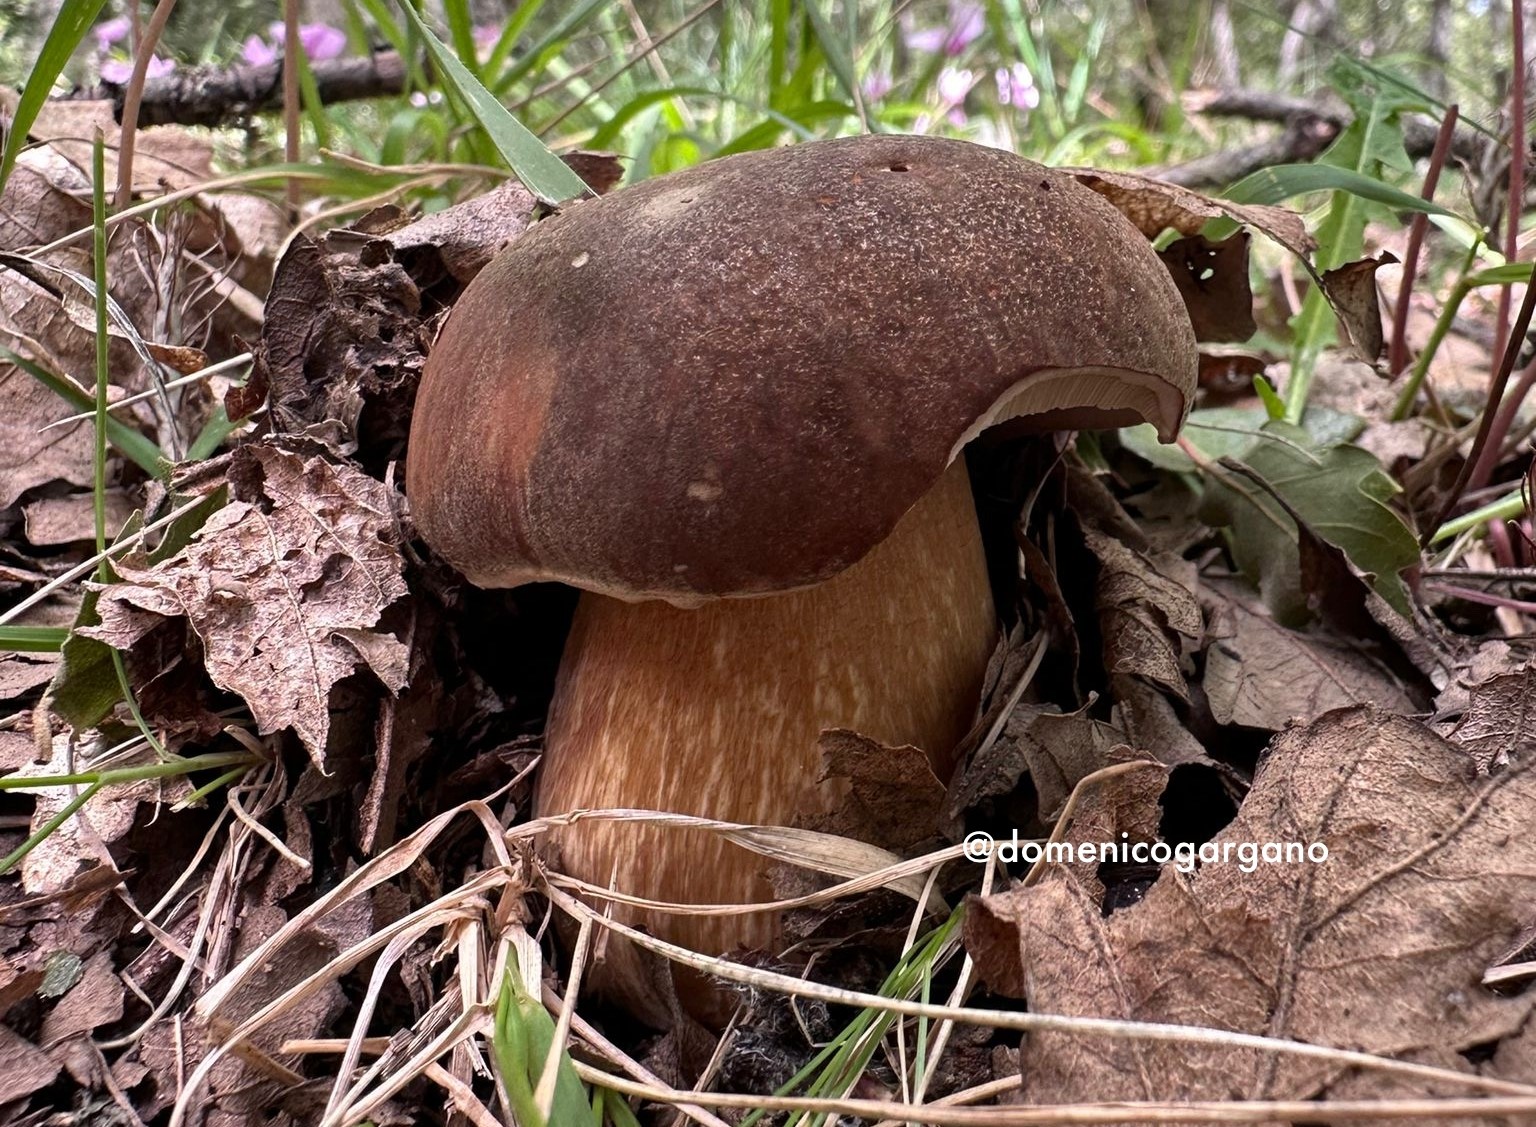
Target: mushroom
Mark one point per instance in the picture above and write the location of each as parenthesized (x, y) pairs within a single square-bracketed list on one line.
[(730, 405)]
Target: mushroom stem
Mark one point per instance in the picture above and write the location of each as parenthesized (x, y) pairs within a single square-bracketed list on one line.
[(716, 711)]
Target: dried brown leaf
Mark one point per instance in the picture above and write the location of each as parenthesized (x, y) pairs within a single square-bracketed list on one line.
[(885, 796), (72, 518), (95, 1000), (343, 332), (1228, 372), (1147, 609), (1150, 721), (21, 673), (1154, 206), (1055, 749), (1259, 674), (1212, 278), (54, 864), (1497, 723), (1430, 879), (1351, 290), (24, 1068), (460, 240), (283, 586), (29, 455)]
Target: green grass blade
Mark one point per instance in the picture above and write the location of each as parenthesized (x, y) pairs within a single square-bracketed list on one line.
[(510, 34), (461, 30), (836, 51), (609, 131), (32, 639), (542, 173), (536, 53), (211, 437), (1510, 274), (104, 573), (127, 441), (74, 19), (1272, 185), (1077, 80), (103, 362)]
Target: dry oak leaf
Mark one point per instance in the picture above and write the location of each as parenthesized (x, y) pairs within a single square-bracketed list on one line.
[(1154, 205), (1260, 674), (1147, 610), (1431, 876), (284, 589), (1498, 722)]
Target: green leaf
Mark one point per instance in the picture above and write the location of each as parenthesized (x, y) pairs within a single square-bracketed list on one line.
[(212, 436), (1231, 432), (1272, 185), (542, 173), (127, 441), (836, 51), (32, 639), (1512, 273), (1339, 491), (85, 688), (609, 131), (537, 54), (73, 20), (523, 1034), (1274, 406)]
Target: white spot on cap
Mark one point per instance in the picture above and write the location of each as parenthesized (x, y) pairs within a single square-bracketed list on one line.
[(581, 260), (704, 490)]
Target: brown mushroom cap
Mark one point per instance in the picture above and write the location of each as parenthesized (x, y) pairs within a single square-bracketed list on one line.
[(735, 379)]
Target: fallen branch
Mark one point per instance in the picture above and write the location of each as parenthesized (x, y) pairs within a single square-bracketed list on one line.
[(1310, 126), (224, 96)]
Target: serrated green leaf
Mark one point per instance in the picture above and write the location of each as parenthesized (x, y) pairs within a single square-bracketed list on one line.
[(548, 177), (1340, 491)]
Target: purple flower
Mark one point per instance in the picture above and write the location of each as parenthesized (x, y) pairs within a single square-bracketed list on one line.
[(257, 52), (954, 84), (964, 26), (112, 31), (487, 35), (877, 84), (1016, 87), (320, 41), (119, 71)]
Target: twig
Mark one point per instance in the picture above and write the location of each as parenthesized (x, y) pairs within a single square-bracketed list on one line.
[(1112, 1028), (291, 46), (144, 50), (1397, 355), (1130, 1111), (1483, 598), (1485, 428), (217, 97), (1516, 192), (1310, 126)]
